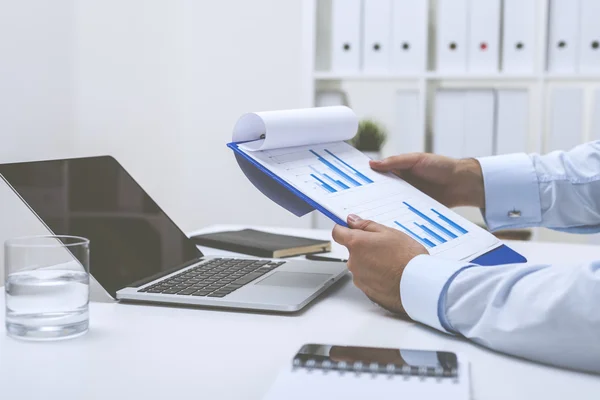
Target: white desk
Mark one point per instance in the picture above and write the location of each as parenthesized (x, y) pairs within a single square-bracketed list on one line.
[(150, 352)]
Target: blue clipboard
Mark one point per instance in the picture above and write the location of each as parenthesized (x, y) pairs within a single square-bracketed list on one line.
[(299, 204)]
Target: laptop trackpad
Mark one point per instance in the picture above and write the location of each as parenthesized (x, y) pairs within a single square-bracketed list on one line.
[(305, 280)]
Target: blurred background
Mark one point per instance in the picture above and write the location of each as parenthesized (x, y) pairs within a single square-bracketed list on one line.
[(160, 84)]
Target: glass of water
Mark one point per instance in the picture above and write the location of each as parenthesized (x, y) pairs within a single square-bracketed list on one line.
[(47, 287)]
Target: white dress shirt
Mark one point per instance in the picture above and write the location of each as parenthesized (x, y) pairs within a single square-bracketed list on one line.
[(546, 313)]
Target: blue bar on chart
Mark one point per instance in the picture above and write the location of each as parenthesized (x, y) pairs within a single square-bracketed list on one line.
[(432, 233), (335, 169), (323, 184), (425, 241), (339, 183), (431, 221), (365, 178), (451, 223), (335, 182)]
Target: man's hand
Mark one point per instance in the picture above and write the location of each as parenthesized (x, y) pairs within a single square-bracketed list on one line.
[(378, 255), (451, 182)]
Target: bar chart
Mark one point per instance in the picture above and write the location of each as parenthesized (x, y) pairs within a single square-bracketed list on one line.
[(335, 174), (431, 231), (339, 179)]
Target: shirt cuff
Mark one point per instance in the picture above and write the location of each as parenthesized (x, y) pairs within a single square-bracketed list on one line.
[(423, 289), (512, 196)]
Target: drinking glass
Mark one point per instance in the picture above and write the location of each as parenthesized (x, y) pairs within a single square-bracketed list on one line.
[(47, 287)]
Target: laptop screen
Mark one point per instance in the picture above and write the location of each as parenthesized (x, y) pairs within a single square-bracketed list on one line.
[(131, 238)]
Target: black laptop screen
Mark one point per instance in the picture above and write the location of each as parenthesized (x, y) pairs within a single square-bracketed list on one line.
[(131, 238)]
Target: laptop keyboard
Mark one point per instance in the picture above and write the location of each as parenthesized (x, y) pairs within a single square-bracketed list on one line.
[(216, 278)]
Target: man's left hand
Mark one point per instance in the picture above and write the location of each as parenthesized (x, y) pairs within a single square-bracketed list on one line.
[(378, 256)]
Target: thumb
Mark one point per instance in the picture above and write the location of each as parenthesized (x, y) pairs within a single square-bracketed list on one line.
[(356, 222), (399, 163)]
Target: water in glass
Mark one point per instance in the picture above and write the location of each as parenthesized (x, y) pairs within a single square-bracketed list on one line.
[(47, 287)]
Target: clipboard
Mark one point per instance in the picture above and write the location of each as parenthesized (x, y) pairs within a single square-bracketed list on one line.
[(299, 204)]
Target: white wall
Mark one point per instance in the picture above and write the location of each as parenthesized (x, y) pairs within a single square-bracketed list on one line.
[(36, 93), (160, 85), (36, 85)]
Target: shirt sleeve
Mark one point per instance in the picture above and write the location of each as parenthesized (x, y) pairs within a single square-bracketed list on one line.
[(546, 313), (540, 312), (423, 286), (560, 190)]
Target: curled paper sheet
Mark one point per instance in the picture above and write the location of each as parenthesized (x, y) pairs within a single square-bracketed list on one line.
[(290, 128)]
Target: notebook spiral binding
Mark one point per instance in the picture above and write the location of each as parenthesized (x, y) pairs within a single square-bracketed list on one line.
[(374, 368)]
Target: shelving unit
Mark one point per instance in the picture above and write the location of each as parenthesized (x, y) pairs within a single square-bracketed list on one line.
[(434, 76), (328, 76), (364, 90)]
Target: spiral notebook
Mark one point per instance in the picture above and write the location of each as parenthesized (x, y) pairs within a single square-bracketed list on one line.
[(346, 372)]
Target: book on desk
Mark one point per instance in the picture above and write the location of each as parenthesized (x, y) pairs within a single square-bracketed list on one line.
[(262, 244)]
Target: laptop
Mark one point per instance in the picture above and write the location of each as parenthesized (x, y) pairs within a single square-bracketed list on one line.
[(138, 254)]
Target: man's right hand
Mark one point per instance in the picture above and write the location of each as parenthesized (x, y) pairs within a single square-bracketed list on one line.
[(451, 182)]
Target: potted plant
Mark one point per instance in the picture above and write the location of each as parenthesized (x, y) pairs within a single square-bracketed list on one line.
[(370, 138)]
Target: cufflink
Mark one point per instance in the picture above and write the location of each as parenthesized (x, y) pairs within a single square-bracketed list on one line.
[(514, 214)]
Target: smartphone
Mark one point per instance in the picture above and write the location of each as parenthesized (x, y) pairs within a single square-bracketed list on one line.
[(321, 257)]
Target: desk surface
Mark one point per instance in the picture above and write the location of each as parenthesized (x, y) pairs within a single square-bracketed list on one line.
[(152, 352)]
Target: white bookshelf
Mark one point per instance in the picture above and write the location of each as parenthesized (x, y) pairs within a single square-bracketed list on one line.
[(434, 76), (365, 89)]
